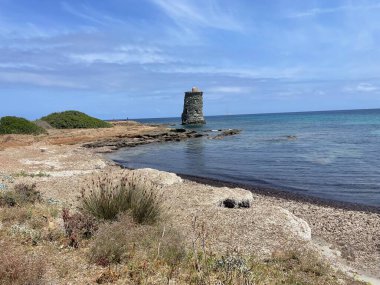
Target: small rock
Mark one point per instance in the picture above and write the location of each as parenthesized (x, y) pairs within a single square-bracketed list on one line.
[(232, 203)]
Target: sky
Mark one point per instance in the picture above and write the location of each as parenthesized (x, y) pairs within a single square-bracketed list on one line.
[(136, 58)]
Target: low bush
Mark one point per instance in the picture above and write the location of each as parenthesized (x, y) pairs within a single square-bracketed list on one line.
[(74, 120), (110, 245), (107, 197), (21, 194), (16, 125), (78, 226), (27, 193), (126, 241), (18, 267)]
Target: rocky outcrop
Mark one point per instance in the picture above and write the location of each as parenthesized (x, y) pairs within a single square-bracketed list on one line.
[(169, 135), (152, 137), (226, 133), (193, 108)]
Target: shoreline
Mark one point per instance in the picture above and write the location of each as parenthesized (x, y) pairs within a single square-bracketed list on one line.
[(270, 191), (338, 229), (349, 231)]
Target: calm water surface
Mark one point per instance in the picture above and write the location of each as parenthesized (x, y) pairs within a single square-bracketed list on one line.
[(336, 155)]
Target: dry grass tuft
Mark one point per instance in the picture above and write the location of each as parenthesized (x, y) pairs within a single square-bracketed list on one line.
[(17, 267), (106, 197)]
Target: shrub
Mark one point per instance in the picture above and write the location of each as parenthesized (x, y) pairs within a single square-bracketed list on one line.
[(19, 267), (21, 194), (16, 125), (125, 240), (78, 226), (25, 193), (74, 120), (108, 197), (110, 245)]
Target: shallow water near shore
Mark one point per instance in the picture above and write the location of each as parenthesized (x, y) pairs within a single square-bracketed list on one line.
[(332, 155)]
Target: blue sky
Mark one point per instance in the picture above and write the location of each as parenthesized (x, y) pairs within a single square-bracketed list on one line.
[(135, 58)]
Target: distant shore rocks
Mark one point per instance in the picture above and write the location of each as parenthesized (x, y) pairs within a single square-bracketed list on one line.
[(169, 135), (225, 133)]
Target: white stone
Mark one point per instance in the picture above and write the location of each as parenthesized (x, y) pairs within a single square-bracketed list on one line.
[(159, 177)]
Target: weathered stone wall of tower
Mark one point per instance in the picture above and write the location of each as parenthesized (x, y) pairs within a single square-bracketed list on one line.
[(193, 108)]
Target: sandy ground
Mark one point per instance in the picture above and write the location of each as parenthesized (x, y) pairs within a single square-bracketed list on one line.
[(350, 238)]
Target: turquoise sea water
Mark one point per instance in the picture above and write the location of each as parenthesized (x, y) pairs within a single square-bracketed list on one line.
[(336, 154)]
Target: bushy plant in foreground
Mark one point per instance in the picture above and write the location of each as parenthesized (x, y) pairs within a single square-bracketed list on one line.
[(78, 226), (126, 241), (19, 268), (106, 197), (16, 125), (74, 120)]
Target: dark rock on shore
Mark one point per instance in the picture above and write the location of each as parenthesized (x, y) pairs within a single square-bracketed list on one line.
[(225, 133), (111, 144), (154, 137), (232, 203)]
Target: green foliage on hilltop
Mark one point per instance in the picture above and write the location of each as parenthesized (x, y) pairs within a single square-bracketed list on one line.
[(74, 120), (16, 125)]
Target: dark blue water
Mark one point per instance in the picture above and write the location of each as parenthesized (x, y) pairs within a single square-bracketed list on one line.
[(336, 155)]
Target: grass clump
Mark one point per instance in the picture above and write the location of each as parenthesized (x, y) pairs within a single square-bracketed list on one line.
[(16, 125), (125, 241), (20, 268), (25, 174), (107, 197), (21, 194), (74, 120)]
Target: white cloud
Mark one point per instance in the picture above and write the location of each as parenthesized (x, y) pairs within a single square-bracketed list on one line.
[(366, 87), (123, 55), (207, 14), (321, 11), (15, 65), (290, 72), (228, 89), (87, 13), (361, 87), (44, 80)]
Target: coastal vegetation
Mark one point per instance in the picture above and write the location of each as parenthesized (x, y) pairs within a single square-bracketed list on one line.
[(108, 197), (129, 239), (74, 120), (17, 125)]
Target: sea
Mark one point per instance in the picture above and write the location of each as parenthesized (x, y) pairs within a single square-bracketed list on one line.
[(333, 155)]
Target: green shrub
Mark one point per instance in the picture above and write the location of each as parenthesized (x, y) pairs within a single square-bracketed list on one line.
[(22, 194), (74, 120), (107, 197), (16, 125)]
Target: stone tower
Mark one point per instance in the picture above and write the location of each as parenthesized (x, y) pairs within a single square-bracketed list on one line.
[(193, 108)]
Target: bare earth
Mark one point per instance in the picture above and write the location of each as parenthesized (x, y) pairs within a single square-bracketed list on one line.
[(349, 238)]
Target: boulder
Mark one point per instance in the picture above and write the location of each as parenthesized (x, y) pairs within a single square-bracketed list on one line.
[(158, 177)]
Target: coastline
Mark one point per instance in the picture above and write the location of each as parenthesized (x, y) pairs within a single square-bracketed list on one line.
[(315, 211), (346, 234)]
